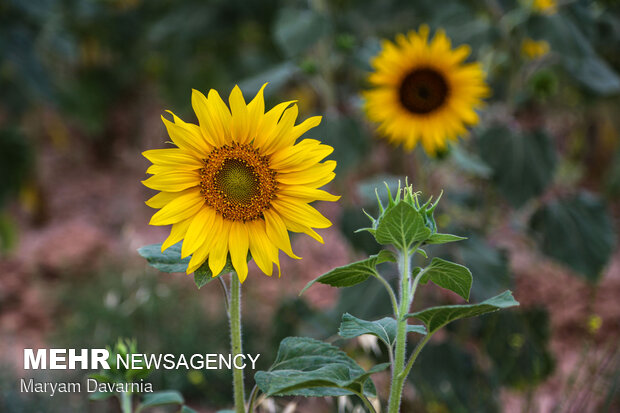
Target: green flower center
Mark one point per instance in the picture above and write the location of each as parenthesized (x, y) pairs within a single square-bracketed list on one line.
[(237, 182)]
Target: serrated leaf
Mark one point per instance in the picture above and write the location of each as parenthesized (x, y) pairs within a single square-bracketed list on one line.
[(449, 275), (401, 226), (167, 261), (384, 328), (161, 398), (436, 317), (438, 238), (309, 367), (576, 231), (352, 274)]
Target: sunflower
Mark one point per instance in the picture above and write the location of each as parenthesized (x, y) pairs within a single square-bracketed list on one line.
[(547, 7), (423, 91), (238, 182), (533, 49)]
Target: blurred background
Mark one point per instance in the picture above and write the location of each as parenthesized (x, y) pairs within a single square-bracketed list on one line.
[(536, 188)]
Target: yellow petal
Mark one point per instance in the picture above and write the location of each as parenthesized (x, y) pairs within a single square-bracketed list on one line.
[(240, 124), (199, 257), (173, 181), (314, 176), (162, 198), (173, 157), (238, 244), (198, 231), (300, 212), (277, 232), (306, 194), (182, 207), (297, 227), (278, 137), (184, 138), (176, 233), (219, 252), (256, 111), (261, 247), (301, 156), (269, 123)]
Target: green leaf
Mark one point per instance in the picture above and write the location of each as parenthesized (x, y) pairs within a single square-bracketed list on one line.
[(449, 275), (576, 231), (161, 398), (522, 164), (517, 343), (297, 30), (438, 238), (490, 266), (574, 48), (203, 275), (354, 273), (384, 328), (436, 317), (401, 226), (448, 375), (186, 409), (167, 261), (308, 367)]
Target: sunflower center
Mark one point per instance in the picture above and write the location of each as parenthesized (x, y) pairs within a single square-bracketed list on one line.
[(237, 182), (423, 90)]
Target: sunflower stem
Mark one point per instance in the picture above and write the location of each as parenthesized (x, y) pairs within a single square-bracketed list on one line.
[(235, 340), (401, 333)]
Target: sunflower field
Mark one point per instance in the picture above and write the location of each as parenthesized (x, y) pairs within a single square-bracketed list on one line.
[(320, 206)]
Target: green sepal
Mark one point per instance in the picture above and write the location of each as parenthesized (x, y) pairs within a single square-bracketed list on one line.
[(438, 238)]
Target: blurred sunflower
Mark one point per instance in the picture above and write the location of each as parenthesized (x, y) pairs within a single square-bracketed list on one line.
[(533, 49), (548, 7), (238, 181), (423, 91)]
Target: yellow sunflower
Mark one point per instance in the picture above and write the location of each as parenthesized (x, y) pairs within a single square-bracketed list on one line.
[(238, 181), (547, 7), (533, 49), (423, 91)]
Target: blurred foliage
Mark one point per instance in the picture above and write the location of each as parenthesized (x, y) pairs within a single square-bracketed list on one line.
[(109, 305), (545, 159)]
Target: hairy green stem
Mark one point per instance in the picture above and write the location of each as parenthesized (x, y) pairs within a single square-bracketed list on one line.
[(253, 395), (235, 339), (401, 333), (366, 402), (414, 355), (390, 292)]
